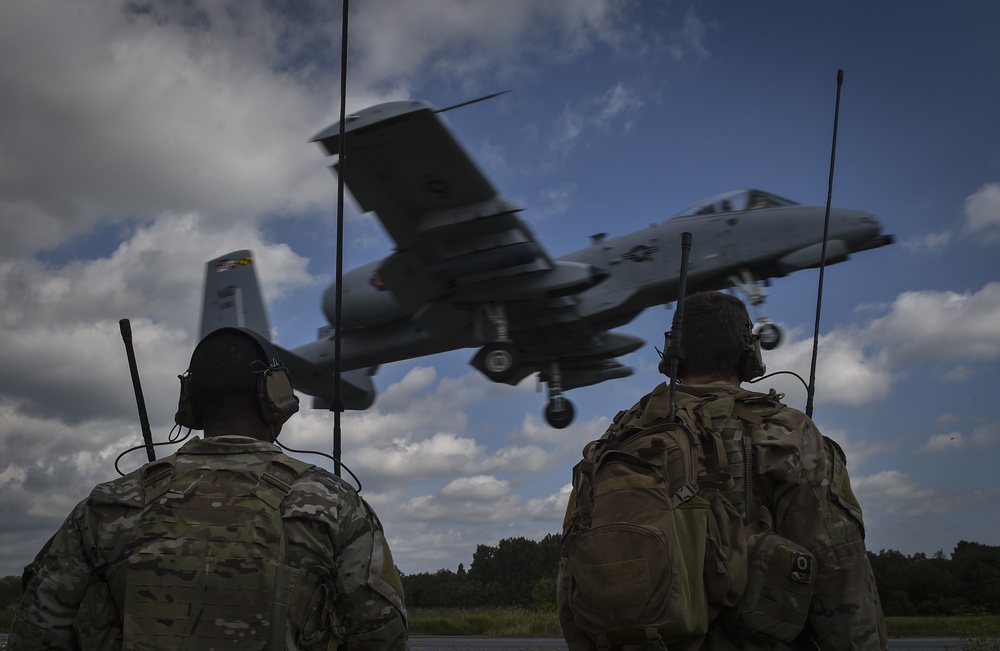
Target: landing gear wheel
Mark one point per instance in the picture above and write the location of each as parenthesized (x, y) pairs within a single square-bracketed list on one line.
[(559, 412), (770, 336), (500, 361)]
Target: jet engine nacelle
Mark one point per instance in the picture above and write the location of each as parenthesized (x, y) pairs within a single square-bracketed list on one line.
[(365, 302)]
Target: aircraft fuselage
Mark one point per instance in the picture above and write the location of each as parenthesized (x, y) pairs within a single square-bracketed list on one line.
[(630, 273)]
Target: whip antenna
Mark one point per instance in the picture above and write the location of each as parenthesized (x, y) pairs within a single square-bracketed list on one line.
[(811, 391), (675, 350), (147, 435), (338, 406)]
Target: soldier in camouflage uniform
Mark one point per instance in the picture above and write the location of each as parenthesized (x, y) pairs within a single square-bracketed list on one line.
[(226, 544), (799, 490)]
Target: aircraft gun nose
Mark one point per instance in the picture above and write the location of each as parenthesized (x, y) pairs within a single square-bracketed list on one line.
[(868, 233)]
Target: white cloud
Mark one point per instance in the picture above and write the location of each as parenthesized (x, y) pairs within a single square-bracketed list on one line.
[(941, 442), (399, 40), (939, 326), (131, 114), (895, 491), (982, 212), (859, 364), (986, 435), (616, 105), (930, 243), (619, 101), (555, 200)]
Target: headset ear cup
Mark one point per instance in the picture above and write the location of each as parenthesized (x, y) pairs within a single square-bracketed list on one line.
[(276, 399), (186, 416), (752, 364)]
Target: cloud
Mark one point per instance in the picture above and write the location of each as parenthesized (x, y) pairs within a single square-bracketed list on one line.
[(858, 364), (602, 112), (930, 243), (397, 41), (896, 492), (689, 39), (981, 437), (982, 213), (619, 101), (130, 113), (940, 442), (939, 326), (555, 200)]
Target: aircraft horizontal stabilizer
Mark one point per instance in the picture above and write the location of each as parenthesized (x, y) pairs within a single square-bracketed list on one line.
[(357, 390)]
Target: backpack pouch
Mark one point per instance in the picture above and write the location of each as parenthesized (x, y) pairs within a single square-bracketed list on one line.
[(779, 588)]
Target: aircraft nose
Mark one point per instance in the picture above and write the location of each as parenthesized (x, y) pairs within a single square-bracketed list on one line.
[(867, 232)]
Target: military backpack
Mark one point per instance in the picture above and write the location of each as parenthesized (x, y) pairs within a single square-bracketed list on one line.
[(655, 540)]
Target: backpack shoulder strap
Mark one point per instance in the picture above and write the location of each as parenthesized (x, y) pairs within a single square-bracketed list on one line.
[(278, 478), (156, 478)]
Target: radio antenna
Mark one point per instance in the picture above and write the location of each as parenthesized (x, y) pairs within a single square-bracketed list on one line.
[(338, 406), (147, 435), (811, 391), (675, 350)]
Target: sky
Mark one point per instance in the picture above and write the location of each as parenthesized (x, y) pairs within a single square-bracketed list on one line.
[(141, 138)]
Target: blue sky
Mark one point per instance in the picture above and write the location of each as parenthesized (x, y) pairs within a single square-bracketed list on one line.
[(140, 139)]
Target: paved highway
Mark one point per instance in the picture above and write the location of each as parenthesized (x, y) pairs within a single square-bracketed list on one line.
[(428, 643)]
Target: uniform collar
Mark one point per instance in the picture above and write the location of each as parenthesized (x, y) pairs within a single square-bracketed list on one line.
[(226, 445)]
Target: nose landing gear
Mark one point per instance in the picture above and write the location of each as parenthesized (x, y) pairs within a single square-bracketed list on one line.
[(755, 292), (559, 411)]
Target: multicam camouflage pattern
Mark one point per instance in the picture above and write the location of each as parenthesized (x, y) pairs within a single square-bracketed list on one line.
[(801, 490), (342, 584)]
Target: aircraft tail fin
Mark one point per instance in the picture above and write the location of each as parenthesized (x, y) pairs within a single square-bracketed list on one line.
[(232, 295)]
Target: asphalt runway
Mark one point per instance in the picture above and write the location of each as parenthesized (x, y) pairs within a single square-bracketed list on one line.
[(428, 643)]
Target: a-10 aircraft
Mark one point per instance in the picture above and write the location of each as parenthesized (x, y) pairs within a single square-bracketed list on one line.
[(468, 273)]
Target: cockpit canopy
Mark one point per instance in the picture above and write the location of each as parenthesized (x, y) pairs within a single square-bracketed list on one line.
[(735, 201)]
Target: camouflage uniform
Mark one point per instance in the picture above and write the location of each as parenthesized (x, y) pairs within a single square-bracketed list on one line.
[(800, 488), (70, 589)]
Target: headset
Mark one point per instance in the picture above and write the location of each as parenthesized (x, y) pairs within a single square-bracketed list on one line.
[(750, 365), (276, 402)]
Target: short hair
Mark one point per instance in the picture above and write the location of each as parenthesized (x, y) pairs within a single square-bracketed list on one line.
[(714, 333), (224, 380)]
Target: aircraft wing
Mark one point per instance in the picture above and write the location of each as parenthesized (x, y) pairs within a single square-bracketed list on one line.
[(453, 230)]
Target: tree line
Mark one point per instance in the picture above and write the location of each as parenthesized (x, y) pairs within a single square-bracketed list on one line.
[(520, 572)]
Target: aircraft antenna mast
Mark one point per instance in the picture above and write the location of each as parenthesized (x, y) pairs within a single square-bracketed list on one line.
[(822, 260), (338, 405)]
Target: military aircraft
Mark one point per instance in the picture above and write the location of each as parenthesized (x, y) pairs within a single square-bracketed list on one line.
[(468, 273)]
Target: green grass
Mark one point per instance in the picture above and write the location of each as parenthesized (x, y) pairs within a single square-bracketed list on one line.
[(978, 633), (963, 626), (491, 622)]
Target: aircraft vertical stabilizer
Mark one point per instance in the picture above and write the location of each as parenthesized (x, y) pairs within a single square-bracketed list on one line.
[(232, 295)]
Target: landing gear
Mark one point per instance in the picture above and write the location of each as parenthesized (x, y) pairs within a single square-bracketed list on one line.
[(770, 335), (500, 361), (559, 411), (755, 291)]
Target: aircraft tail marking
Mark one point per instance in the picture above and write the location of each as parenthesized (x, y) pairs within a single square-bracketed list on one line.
[(232, 295)]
